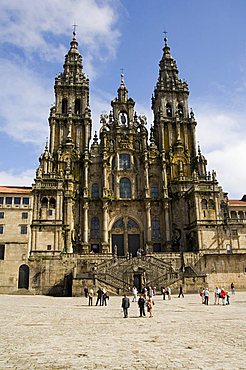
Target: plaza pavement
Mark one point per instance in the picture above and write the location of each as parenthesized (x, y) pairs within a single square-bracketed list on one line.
[(40, 332)]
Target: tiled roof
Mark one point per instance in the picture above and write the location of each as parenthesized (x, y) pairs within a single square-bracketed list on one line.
[(15, 189), (234, 202)]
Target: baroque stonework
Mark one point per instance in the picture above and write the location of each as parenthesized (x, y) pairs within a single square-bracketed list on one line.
[(128, 191)]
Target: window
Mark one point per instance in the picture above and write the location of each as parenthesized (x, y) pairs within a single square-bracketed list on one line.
[(234, 232), (204, 204), (95, 228), (119, 224), (154, 191), (77, 106), (2, 250), (125, 161), (25, 201), (17, 200), (233, 214), (48, 247), (44, 202), (113, 182), (113, 163), (50, 212), (180, 110), (23, 229), (241, 215), (1, 214), (211, 204), (1, 200), (131, 224), (125, 188), (8, 200), (95, 191), (52, 203), (136, 164), (1, 229), (169, 111), (24, 216), (64, 106), (156, 231)]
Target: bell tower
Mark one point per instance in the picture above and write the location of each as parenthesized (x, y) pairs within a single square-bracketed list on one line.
[(62, 176)]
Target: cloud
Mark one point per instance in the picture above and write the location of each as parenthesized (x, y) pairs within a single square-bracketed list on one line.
[(12, 178), (25, 99), (32, 26), (221, 135)]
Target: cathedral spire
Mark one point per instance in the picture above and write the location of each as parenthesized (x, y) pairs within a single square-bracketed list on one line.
[(122, 90)]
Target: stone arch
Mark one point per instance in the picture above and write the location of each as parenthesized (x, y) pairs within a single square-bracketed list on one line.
[(23, 279)]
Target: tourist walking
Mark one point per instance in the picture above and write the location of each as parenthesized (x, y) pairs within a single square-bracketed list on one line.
[(163, 292), (217, 295), (125, 305), (105, 297), (181, 291), (91, 294), (223, 296), (141, 305)]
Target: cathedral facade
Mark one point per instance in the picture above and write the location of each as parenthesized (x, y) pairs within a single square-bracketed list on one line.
[(128, 194)]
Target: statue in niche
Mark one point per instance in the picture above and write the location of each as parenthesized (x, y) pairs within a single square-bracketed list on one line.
[(123, 118)]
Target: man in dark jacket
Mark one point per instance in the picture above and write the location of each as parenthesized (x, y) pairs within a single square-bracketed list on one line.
[(141, 305), (125, 305)]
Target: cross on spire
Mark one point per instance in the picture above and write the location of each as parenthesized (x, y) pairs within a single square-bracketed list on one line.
[(122, 75), (165, 38), (74, 29)]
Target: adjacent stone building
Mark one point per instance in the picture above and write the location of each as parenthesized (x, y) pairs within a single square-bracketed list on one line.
[(130, 205)]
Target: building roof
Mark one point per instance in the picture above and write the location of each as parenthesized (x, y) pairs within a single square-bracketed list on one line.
[(235, 202), (16, 189)]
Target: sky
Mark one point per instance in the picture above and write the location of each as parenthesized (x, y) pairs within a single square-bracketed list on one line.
[(207, 39)]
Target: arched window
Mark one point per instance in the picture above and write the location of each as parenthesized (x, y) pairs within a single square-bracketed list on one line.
[(154, 191), (241, 215), (204, 204), (77, 106), (125, 188), (95, 191), (156, 230), (44, 202), (64, 106), (234, 214), (169, 111), (211, 204), (52, 203), (180, 110), (131, 224), (95, 228), (119, 224), (125, 161)]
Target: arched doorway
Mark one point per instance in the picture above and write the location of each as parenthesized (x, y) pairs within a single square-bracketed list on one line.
[(23, 281), (126, 237)]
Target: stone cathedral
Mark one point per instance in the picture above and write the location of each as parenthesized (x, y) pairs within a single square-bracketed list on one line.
[(127, 205)]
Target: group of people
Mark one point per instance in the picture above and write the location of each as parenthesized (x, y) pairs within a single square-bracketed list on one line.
[(145, 301), (166, 293), (102, 296), (219, 294)]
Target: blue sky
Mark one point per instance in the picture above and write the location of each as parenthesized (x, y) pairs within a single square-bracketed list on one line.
[(207, 39)]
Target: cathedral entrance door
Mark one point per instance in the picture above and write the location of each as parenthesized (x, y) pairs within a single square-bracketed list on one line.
[(133, 244), (118, 240)]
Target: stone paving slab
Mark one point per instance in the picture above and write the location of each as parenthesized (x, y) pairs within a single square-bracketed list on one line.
[(40, 332)]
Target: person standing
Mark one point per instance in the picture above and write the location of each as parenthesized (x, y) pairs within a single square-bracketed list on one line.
[(206, 296), (232, 288), (125, 305), (141, 305), (181, 291), (91, 294), (86, 291), (149, 307), (135, 294), (99, 297)]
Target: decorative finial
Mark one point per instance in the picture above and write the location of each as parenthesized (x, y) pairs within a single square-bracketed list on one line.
[(122, 75), (199, 148), (74, 29), (46, 143), (165, 38)]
